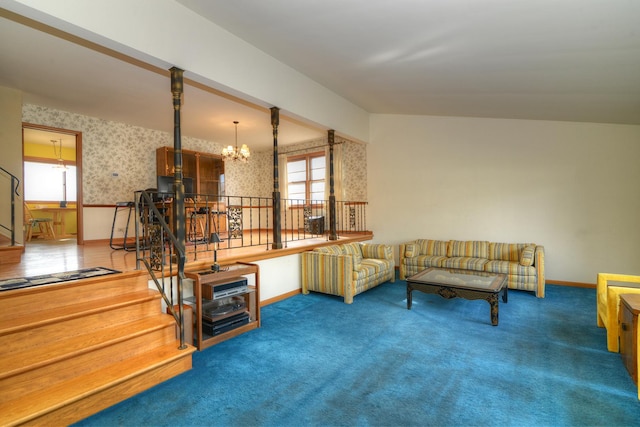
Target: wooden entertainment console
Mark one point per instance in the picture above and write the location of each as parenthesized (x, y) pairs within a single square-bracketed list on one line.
[(204, 283)]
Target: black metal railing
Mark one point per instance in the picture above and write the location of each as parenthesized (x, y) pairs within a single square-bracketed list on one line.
[(157, 248), (14, 183), (245, 221)]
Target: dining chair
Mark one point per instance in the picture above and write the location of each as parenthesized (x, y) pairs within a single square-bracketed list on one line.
[(45, 225)]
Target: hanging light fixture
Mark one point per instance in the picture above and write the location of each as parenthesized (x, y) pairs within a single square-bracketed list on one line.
[(231, 153), (58, 154)]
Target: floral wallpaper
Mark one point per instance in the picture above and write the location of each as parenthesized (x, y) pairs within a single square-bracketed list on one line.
[(118, 159), (355, 171)]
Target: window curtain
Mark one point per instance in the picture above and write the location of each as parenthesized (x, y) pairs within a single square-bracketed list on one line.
[(337, 173)]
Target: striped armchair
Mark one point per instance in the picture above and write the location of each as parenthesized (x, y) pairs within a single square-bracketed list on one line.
[(347, 270)]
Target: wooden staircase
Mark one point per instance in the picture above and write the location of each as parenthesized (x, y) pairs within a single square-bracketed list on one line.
[(72, 349)]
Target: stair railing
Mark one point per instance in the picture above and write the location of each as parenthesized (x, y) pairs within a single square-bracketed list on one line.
[(15, 183), (157, 247)]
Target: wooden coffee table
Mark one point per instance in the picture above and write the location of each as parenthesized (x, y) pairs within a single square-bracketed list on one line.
[(451, 283)]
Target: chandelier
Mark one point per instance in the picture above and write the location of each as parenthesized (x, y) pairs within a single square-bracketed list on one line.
[(58, 154), (231, 153)]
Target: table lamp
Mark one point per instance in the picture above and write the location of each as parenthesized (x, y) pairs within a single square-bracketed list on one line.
[(215, 239)]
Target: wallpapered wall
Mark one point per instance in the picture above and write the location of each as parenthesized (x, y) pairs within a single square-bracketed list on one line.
[(111, 147)]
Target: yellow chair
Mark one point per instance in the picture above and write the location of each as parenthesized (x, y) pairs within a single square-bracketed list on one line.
[(610, 286)]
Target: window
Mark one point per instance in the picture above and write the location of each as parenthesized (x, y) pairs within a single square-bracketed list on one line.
[(44, 182), (306, 177)]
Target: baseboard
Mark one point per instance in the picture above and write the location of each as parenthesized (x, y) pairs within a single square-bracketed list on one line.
[(574, 284), (280, 297)]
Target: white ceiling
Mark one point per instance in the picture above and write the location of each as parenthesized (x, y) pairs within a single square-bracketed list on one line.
[(54, 72), (569, 60), (573, 60)]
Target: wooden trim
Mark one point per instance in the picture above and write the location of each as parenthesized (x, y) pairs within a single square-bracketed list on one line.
[(280, 297), (78, 165), (573, 284), (312, 206), (48, 160), (308, 155)]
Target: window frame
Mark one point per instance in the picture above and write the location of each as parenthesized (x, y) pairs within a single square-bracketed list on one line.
[(308, 181)]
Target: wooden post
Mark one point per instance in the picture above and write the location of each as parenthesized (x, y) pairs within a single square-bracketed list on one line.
[(277, 211), (179, 213), (333, 235)]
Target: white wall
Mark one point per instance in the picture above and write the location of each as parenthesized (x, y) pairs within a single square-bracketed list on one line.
[(11, 149), (279, 276), (164, 33), (572, 187)]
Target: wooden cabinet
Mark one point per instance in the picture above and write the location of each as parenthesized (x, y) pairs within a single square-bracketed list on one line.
[(205, 169), (205, 284), (628, 318)]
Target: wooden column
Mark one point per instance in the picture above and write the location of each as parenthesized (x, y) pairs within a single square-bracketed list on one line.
[(333, 235), (179, 213), (277, 209)]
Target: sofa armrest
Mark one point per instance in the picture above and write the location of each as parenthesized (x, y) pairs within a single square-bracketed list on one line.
[(327, 273), (401, 257), (539, 265), (603, 279)]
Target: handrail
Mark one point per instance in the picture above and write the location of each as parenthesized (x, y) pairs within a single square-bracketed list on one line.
[(150, 210), (15, 184)]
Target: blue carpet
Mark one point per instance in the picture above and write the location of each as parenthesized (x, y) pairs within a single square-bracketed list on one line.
[(319, 362)]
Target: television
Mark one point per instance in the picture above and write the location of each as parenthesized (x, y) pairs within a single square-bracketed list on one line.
[(166, 188)]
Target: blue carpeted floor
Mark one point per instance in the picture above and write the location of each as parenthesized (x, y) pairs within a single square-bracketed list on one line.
[(319, 362)]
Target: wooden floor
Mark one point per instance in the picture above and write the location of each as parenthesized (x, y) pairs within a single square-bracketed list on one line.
[(53, 256)]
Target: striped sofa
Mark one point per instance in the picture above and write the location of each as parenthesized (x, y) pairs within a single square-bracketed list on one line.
[(348, 269), (523, 263)]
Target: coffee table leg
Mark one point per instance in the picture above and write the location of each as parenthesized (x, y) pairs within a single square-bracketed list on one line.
[(493, 302), (505, 294), (409, 301)]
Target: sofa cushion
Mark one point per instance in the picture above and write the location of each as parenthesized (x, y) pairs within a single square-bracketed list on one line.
[(364, 271), (410, 250), (506, 251), (508, 267), (425, 261), (372, 267), (526, 258), (352, 249), (468, 248), (465, 263), (331, 250), (376, 250), (378, 265), (432, 247), (355, 251)]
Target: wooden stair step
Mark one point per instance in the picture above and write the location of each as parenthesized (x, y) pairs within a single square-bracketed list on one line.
[(55, 296), (48, 320), (65, 349), (11, 254), (83, 363), (79, 397)]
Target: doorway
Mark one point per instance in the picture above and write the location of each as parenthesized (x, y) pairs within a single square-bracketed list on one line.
[(56, 153)]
